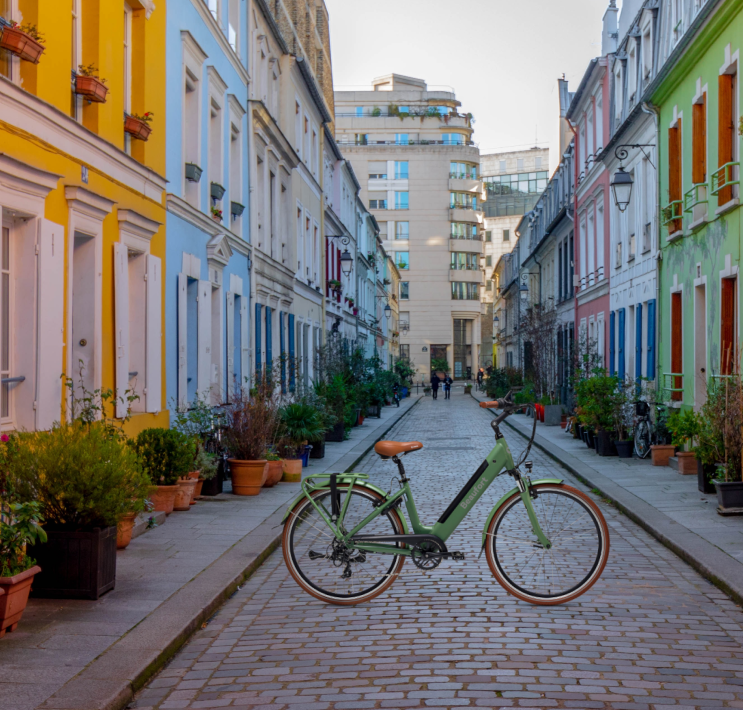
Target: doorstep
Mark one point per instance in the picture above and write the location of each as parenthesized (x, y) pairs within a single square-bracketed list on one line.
[(93, 655), (667, 505)]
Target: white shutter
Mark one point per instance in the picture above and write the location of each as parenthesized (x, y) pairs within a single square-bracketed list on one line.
[(182, 340), (154, 338), (121, 303), (204, 327), (245, 342), (230, 342), (49, 360)]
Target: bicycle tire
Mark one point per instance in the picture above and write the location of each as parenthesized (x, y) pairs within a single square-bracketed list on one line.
[(538, 575), (323, 571), (642, 439)]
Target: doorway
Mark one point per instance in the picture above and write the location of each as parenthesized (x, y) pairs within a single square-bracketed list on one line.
[(462, 348), (700, 346), (83, 315)]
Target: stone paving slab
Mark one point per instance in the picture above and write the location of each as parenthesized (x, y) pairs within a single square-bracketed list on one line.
[(92, 655)]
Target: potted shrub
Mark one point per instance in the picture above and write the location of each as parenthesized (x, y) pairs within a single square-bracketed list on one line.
[(216, 213), (20, 527), (710, 446), (138, 126), (333, 392), (24, 41), (684, 427), (621, 407), (205, 469), (85, 478), (299, 424), (467, 388), (193, 172), (89, 85)]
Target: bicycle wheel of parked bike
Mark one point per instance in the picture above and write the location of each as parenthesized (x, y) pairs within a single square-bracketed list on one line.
[(327, 569), (575, 559), (642, 439)]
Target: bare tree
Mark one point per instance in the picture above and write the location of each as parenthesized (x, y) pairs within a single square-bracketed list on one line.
[(539, 329)]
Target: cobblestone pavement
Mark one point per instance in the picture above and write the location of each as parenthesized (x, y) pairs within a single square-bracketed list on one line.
[(651, 633)]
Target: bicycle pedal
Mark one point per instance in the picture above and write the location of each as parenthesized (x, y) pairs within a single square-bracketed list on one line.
[(456, 556)]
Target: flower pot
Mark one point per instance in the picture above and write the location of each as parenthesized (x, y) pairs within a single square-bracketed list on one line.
[(197, 488), (163, 498), (275, 472), (305, 456), (660, 454), (563, 425), (318, 449), (193, 172), (236, 209), (14, 597), (292, 471), (92, 89), (216, 191), (184, 493), (21, 44), (687, 463), (75, 565), (374, 410), (336, 433), (589, 439), (704, 477), (248, 476), (605, 444), (137, 128), (468, 389), (124, 531), (730, 497), (624, 449)]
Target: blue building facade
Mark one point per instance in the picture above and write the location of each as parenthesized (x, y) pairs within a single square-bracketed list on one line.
[(207, 313)]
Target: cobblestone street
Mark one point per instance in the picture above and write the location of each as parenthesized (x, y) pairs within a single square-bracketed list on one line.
[(651, 633)]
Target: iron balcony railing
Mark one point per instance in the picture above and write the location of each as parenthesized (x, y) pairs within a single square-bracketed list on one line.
[(673, 382), (672, 211), (724, 177), (409, 142), (696, 196)]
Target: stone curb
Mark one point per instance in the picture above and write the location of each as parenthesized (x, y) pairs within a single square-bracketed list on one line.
[(111, 680), (724, 571)]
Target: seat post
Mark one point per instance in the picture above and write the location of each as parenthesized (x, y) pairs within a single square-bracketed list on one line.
[(400, 468)]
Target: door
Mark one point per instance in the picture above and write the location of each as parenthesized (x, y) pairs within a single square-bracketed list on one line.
[(83, 314), (676, 346), (700, 346)]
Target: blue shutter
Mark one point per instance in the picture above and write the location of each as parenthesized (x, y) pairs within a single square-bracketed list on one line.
[(651, 340), (258, 344), (283, 352), (620, 349), (612, 346), (292, 364), (638, 341), (269, 340)]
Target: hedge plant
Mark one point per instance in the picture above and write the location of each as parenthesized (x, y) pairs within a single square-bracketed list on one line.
[(165, 454)]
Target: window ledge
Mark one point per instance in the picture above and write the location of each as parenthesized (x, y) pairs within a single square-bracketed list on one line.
[(694, 226), (675, 236), (731, 204), (630, 257), (646, 251)]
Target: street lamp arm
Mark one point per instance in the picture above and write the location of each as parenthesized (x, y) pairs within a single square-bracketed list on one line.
[(621, 153)]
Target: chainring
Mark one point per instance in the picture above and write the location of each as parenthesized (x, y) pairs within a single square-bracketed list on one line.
[(428, 554)]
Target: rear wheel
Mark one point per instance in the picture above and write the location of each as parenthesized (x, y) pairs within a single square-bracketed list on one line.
[(577, 556), (642, 439), (327, 569)]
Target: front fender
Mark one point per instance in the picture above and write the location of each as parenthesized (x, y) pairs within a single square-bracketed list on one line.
[(342, 479), (505, 497)]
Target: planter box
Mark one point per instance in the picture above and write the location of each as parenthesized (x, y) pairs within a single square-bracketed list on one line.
[(21, 44), (236, 209), (704, 475), (687, 463), (624, 449), (336, 433), (91, 88), (605, 444), (589, 440), (552, 414), (75, 565), (213, 486), (217, 191), (730, 498), (193, 172), (137, 128), (661, 453), (14, 593), (318, 449), (374, 410)]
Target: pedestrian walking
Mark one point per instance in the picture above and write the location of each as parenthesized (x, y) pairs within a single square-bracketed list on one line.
[(447, 386), (435, 385), (480, 375)]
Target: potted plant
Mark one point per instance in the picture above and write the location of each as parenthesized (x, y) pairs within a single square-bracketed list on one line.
[(684, 427), (710, 446), (275, 469), (89, 85), (205, 467), (138, 126), (216, 191), (193, 172), (621, 408), (24, 41), (216, 213), (299, 424), (85, 477), (20, 528)]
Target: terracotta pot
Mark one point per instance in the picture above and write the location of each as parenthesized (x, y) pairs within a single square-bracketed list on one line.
[(124, 530), (14, 598), (275, 471), (21, 44), (164, 498), (197, 488), (248, 476), (687, 463), (136, 128), (91, 88), (292, 471), (661, 453), (184, 493)]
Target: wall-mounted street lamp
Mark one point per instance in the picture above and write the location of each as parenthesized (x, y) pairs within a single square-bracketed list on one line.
[(524, 291), (621, 183), (387, 309), (346, 258)]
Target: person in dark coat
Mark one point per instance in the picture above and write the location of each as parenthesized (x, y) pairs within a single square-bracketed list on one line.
[(447, 386), (435, 385)]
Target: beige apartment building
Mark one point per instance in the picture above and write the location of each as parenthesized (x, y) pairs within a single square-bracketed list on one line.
[(419, 170)]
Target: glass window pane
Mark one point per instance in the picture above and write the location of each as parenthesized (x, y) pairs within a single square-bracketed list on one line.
[(402, 230)]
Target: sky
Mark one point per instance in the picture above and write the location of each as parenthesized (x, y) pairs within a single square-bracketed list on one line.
[(501, 57)]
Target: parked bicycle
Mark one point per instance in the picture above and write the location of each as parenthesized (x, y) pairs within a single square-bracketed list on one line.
[(345, 540), (646, 433)]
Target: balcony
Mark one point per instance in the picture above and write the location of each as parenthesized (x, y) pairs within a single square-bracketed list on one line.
[(673, 383), (723, 180), (369, 143), (465, 213), (695, 203), (472, 186), (473, 276), (462, 244), (671, 216)]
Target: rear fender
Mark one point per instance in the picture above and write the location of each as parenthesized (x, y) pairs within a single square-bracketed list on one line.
[(504, 498)]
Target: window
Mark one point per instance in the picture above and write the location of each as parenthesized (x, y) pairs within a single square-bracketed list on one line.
[(402, 259), (676, 344), (519, 163), (5, 329), (537, 163), (647, 50), (361, 138), (727, 137), (462, 230), (489, 285), (464, 261), (404, 352), (463, 171), (300, 243), (377, 200), (506, 235), (618, 96), (401, 138), (673, 211), (444, 110), (127, 69), (402, 230), (463, 291), (215, 143), (235, 169), (488, 236), (678, 19), (488, 260), (378, 170), (632, 71), (214, 8), (404, 319), (359, 110), (404, 290), (462, 200), (233, 23), (5, 56), (403, 109), (401, 170), (699, 141), (191, 112), (502, 166), (401, 200), (453, 138), (76, 55), (727, 326)]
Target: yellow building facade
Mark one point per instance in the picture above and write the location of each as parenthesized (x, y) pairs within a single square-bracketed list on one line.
[(83, 208)]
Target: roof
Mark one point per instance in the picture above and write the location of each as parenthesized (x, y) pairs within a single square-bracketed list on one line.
[(317, 96), (578, 95)]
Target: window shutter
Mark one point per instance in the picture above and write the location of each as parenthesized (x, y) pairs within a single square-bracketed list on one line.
[(699, 141), (727, 326), (674, 172), (338, 271), (50, 335), (258, 344), (244, 341), (292, 364), (651, 340), (269, 339), (726, 131), (204, 339), (231, 342), (612, 346), (676, 342), (182, 340), (154, 337), (121, 306), (620, 348), (282, 349), (638, 341)]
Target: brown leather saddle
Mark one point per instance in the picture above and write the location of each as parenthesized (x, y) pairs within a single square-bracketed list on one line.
[(387, 449)]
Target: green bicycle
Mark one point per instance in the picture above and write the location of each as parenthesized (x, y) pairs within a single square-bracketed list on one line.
[(345, 541)]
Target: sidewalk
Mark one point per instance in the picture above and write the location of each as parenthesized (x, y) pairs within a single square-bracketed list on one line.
[(93, 655), (659, 499)]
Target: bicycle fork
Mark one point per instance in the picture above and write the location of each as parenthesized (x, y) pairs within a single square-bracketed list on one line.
[(527, 493)]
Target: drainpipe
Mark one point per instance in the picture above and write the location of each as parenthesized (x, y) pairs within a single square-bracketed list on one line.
[(323, 243), (576, 224)]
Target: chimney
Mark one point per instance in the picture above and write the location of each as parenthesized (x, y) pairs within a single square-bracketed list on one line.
[(610, 32)]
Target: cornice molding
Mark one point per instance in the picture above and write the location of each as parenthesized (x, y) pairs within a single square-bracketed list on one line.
[(87, 202), (190, 45), (273, 131), (26, 178), (216, 80), (138, 224)]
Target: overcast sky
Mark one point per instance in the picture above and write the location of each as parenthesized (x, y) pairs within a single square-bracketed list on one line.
[(501, 57)]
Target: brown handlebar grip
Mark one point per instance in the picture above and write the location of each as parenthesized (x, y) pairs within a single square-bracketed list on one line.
[(490, 405)]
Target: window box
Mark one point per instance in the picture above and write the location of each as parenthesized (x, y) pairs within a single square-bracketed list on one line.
[(193, 172), (137, 127), (217, 191), (21, 43), (91, 88), (236, 209)]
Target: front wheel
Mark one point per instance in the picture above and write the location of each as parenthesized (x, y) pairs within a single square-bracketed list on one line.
[(577, 555), (642, 439)]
